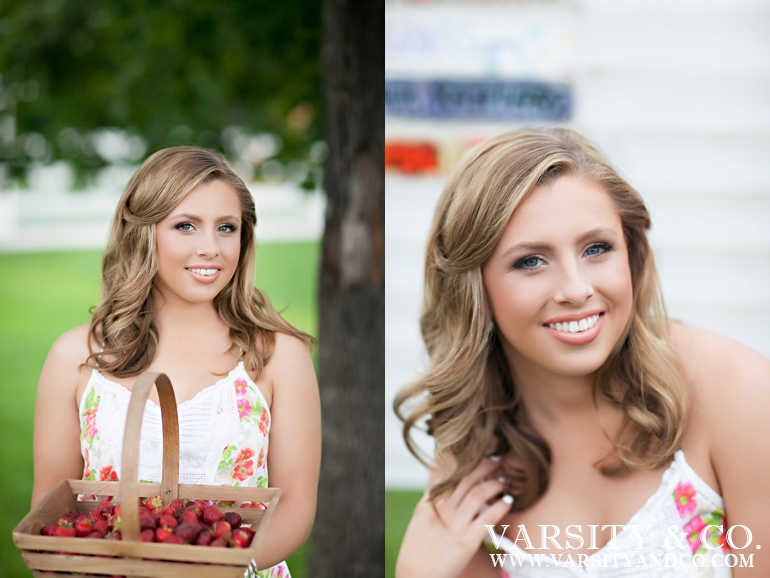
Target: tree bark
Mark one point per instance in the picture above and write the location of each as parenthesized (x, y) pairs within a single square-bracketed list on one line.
[(348, 537)]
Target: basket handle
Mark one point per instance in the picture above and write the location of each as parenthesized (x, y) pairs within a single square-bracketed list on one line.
[(129, 482)]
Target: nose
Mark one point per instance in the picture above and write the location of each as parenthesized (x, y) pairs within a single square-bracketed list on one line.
[(208, 246), (573, 285)]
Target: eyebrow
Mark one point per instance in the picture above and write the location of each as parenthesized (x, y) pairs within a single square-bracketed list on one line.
[(537, 246), (191, 217)]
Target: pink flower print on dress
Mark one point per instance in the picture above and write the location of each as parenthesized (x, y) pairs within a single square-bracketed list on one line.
[(90, 423), (684, 498), (693, 529), (263, 422), (244, 455), (244, 408), (107, 474), (243, 470), (240, 387), (261, 459)]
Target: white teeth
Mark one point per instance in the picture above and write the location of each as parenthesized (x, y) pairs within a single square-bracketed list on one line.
[(204, 272), (575, 326)]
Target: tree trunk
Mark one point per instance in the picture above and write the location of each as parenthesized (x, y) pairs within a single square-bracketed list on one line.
[(348, 537)]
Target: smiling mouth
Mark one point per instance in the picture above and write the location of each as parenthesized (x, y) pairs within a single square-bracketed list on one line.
[(577, 326), (204, 272)]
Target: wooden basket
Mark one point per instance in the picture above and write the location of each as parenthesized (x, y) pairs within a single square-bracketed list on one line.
[(130, 556)]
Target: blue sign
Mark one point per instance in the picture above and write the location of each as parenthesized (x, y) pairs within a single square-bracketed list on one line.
[(486, 99)]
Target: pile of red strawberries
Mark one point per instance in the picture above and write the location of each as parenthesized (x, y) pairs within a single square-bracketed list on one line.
[(181, 522)]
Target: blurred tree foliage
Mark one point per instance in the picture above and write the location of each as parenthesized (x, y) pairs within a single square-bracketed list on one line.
[(168, 71)]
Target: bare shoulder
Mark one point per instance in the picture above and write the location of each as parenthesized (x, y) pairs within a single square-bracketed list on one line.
[(71, 348), (288, 348), (728, 384), (290, 368), (717, 365)]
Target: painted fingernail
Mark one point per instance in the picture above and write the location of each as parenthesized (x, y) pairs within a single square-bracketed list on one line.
[(495, 458), (508, 499)]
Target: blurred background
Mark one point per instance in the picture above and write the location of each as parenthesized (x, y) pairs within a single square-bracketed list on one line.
[(88, 90), (677, 94)]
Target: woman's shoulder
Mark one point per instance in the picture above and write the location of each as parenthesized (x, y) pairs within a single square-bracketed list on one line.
[(726, 379), (64, 372), (712, 361), (288, 349), (71, 347), (290, 369)]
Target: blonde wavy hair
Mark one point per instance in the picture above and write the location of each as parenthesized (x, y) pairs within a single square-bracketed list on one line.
[(123, 320), (467, 393)]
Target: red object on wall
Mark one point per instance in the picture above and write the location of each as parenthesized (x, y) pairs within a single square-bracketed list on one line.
[(411, 157)]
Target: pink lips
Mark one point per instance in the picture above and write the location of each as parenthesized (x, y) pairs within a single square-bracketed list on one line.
[(204, 278), (581, 338)]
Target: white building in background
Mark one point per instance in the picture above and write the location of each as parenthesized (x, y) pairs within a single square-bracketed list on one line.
[(677, 94), (35, 220)]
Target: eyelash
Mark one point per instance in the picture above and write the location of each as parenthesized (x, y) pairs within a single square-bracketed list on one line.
[(181, 226), (606, 247)]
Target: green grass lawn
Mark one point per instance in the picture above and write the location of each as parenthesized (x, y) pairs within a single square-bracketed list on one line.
[(44, 294), (399, 506)]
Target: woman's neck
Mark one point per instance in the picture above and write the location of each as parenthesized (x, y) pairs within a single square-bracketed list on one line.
[(551, 399), (177, 320)]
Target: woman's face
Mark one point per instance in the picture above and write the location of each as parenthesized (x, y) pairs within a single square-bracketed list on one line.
[(559, 282), (198, 244)]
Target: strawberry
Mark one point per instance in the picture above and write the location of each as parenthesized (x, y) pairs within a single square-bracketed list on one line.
[(212, 514), (65, 521), (221, 529), (241, 538), (234, 519), (96, 535), (65, 532), (48, 530), (204, 538), (189, 516), (101, 527), (196, 508), (148, 535), (154, 504), (161, 534), (178, 504), (95, 515), (168, 522), (169, 511), (147, 521), (84, 526), (189, 531), (173, 539), (218, 543)]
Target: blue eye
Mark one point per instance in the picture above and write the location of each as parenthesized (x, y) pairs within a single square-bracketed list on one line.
[(227, 229), (184, 227), (531, 262), (598, 249)]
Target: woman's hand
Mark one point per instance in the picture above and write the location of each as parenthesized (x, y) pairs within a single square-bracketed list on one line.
[(441, 546)]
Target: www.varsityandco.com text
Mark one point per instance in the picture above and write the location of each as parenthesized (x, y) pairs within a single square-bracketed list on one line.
[(676, 549)]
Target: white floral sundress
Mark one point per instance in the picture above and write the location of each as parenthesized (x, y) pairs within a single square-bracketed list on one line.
[(223, 437)]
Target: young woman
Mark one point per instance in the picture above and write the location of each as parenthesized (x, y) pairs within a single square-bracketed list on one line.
[(179, 298), (566, 408)]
